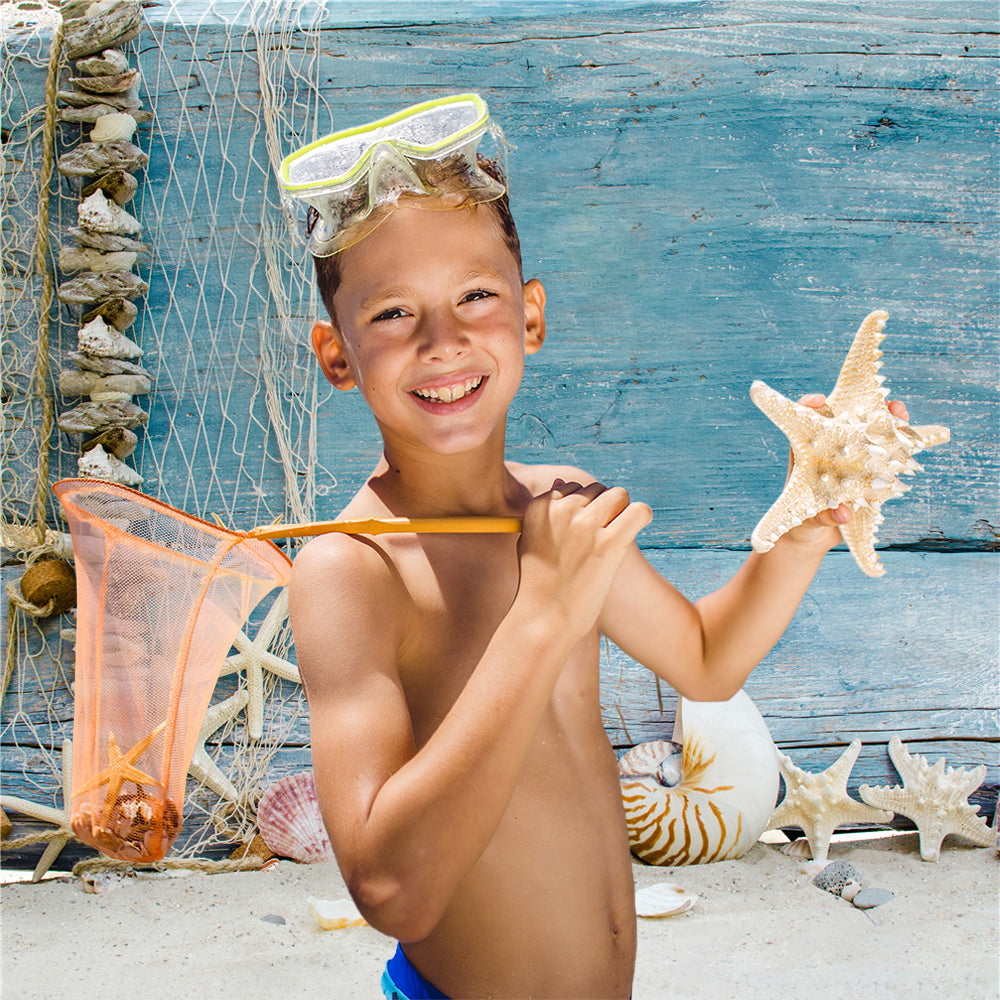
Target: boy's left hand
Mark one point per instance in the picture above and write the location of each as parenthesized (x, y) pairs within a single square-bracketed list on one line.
[(824, 528)]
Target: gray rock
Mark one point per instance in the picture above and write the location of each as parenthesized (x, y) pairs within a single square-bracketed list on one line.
[(870, 897), (273, 918)]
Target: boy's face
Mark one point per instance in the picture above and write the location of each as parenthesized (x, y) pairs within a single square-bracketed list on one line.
[(433, 325)]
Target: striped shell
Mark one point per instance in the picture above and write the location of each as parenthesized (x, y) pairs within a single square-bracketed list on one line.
[(726, 792), (289, 820)]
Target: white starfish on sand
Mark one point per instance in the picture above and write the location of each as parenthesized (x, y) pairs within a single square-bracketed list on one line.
[(934, 798), (818, 803), (852, 450), (254, 657)]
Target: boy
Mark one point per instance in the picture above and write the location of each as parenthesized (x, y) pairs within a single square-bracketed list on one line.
[(466, 781)]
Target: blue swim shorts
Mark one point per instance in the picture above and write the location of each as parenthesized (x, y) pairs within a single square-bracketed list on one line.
[(401, 981)]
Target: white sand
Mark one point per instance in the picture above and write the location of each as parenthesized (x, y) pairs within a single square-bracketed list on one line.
[(760, 929)]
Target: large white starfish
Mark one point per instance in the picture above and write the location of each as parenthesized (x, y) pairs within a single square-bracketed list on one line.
[(935, 799), (818, 803), (60, 818), (852, 450), (202, 767), (254, 658)]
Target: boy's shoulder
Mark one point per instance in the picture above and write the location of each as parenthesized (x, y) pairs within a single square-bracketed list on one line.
[(539, 478)]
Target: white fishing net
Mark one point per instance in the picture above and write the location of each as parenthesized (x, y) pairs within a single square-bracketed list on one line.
[(232, 410)]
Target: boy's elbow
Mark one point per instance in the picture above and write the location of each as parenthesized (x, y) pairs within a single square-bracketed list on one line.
[(393, 908)]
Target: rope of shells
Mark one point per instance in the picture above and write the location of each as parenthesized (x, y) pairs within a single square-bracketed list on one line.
[(104, 372)]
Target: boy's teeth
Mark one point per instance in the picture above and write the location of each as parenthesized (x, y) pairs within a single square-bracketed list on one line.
[(449, 393)]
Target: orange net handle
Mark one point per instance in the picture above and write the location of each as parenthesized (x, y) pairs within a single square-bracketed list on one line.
[(382, 525)]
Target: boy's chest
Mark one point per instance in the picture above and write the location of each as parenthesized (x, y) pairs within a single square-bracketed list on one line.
[(460, 592)]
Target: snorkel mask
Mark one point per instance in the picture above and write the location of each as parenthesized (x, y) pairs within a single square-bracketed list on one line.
[(352, 176)]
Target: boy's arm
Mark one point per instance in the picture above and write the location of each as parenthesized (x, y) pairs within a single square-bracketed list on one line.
[(706, 650), (407, 824)]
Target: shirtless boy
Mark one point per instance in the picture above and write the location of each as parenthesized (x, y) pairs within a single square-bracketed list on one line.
[(465, 779)]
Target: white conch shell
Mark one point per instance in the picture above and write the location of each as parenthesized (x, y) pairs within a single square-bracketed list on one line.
[(934, 798), (111, 128), (289, 820), (98, 214), (98, 464), (99, 339), (664, 899), (335, 914), (727, 788)]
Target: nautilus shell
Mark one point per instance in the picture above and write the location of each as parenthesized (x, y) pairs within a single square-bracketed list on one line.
[(706, 796)]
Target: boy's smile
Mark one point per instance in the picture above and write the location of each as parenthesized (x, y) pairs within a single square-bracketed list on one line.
[(434, 323)]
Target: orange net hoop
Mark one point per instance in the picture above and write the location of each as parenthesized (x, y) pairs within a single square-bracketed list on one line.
[(161, 595)]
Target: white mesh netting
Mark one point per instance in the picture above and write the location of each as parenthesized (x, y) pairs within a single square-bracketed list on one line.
[(231, 428)]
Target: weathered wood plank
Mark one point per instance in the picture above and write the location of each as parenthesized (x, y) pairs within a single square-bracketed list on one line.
[(744, 222)]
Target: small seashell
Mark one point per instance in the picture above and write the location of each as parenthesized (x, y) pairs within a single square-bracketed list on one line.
[(289, 820), (335, 914), (797, 848), (664, 899), (100, 882), (836, 876), (111, 128), (108, 62), (113, 83), (98, 464), (96, 337), (98, 214)]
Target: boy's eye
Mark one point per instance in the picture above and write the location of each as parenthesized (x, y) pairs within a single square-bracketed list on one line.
[(387, 314), (476, 294)]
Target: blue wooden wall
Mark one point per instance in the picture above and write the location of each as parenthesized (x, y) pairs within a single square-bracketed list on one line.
[(711, 192)]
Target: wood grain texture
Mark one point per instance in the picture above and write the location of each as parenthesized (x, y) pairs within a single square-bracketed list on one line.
[(711, 193)]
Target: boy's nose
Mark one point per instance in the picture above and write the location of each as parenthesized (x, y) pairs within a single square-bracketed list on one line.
[(442, 337)]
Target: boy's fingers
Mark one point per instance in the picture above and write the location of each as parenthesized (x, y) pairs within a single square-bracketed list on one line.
[(813, 399)]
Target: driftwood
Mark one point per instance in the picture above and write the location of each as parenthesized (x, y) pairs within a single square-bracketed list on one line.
[(117, 311), (125, 101), (90, 287), (90, 259), (104, 365), (100, 26), (108, 242), (83, 383), (117, 441), (97, 157), (88, 418), (116, 184)]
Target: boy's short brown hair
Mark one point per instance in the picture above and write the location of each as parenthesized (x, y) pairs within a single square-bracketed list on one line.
[(328, 269)]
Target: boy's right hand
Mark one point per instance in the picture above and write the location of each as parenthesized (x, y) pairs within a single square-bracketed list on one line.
[(572, 543)]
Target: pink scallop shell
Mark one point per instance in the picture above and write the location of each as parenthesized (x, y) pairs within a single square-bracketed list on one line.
[(289, 820)]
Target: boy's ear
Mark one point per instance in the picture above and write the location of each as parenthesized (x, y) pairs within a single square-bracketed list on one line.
[(534, 316), (330, 353)]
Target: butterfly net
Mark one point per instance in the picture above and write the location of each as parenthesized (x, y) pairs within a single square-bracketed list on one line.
[(160, 598)]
